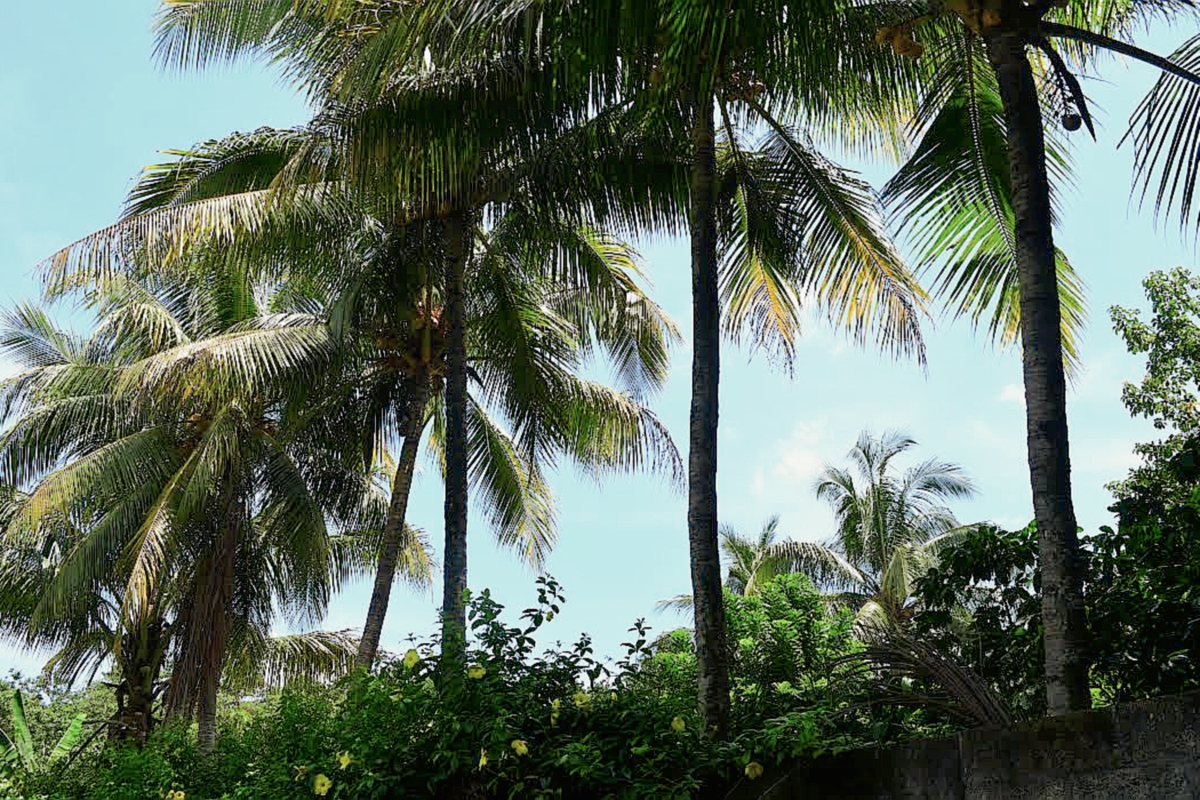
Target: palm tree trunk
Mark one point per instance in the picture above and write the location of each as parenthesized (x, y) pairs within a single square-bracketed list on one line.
[(216, 640), (393, 530), (206, 717), (1045, 383), (141, 665), (454, 586), (704, 549)]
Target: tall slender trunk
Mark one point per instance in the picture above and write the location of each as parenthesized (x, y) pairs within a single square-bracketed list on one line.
[(454, 586), (217, 638), (703, 546), (1045, 383), (393, 529)]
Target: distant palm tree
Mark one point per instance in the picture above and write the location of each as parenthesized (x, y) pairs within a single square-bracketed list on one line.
[(889, 527), (750, 562), (161, 508)]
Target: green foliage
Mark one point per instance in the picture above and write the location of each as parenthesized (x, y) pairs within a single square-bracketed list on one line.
[(783, 644), (980, 605), (21, 762), (1168, 392), (519, 724), (1141, 590)]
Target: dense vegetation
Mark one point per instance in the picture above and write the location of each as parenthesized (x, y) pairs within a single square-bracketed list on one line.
[(281, 319)]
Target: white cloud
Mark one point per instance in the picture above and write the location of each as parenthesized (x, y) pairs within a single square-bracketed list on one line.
[(1012, 393), (799, 458)]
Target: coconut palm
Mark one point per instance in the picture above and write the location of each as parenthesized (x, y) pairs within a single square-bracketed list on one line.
[(889, 527), (750, 562), (719, 71), (433, 145), (997, 66), (530, 336), (154, 453)]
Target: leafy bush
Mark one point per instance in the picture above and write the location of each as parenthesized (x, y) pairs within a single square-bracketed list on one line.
[(562, 724), (1141, 590)]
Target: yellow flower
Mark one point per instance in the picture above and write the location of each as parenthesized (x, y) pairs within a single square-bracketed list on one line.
[(581, 699), (678, 725), (411, 659), (556, 704), (613, 696), (482, 759), (754, 770), (520, 747), (345, 759), (322, 785), (476, 672)]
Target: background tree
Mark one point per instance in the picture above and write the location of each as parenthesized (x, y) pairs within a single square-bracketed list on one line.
[(889, 527), (175, 508)]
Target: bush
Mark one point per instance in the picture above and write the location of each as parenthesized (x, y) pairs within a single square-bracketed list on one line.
[(512, 724)]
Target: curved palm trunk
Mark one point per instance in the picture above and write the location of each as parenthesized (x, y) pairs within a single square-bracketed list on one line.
[(393, 531), (703, 544), (1045, 384), (454, 579)]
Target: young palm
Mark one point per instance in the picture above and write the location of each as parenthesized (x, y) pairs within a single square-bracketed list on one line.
[(889, 527), (750, 562)]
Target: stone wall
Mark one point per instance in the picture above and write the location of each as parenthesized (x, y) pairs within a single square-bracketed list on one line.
[(1140, 750)]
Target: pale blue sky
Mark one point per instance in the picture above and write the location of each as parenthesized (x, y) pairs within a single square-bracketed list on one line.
[(82, 109)]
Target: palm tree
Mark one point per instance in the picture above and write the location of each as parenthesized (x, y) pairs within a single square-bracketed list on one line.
[(979, 49), (182, 509), (750, 562), (889, 527), (530, 335), (431, 143), (751, 213)]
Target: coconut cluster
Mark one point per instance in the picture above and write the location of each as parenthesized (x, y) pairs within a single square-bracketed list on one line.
[(901, 40)]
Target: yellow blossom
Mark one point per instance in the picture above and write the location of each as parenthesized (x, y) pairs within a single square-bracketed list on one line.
[(520, 747), (482, 759), (754, 770), (612, 696), (345, 759), (581, 699), (411, 659), (476, 672), (678, 725), (556, 704), (322, 785)]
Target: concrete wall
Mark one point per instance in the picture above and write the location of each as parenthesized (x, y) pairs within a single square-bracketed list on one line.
[(1140, 750)]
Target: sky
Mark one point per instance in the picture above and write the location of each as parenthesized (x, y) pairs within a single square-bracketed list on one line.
[(83, 107)]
